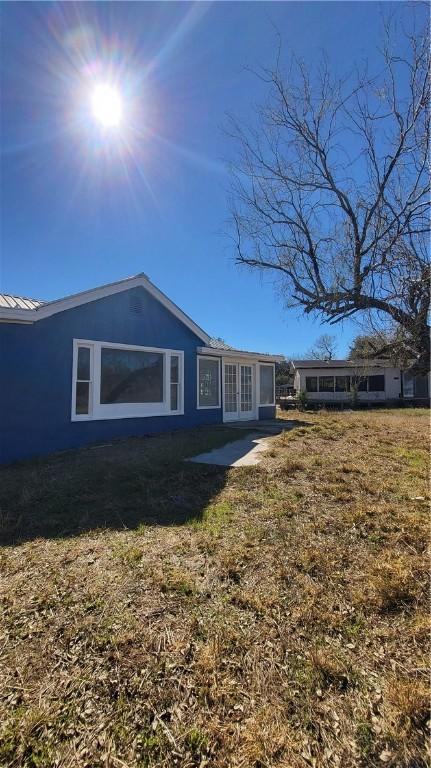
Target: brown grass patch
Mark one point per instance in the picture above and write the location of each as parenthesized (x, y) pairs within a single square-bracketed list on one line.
[(160, 614)]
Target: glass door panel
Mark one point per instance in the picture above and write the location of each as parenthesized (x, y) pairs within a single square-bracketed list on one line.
[(246, 389), (230, 388)]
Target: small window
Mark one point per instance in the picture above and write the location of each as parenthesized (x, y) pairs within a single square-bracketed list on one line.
[(311, 383), (266, 385), (342, 383), (208, 382), (376, 383), (83, 381), (326, 383), (175, 382)]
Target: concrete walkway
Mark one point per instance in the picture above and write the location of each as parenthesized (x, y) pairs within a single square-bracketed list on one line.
[(268, 426), (245, 452)]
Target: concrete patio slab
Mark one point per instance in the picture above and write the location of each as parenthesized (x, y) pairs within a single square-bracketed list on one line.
[(268, 426), (246, 452)]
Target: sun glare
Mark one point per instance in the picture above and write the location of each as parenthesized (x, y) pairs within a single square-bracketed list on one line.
[(107, 106)]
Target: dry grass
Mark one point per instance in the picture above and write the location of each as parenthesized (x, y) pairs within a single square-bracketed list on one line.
[(162, 614)]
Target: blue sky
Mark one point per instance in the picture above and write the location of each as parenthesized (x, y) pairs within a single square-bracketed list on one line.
[(78, 211)]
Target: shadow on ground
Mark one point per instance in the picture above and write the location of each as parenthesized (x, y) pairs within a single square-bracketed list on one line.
[(120, 486)]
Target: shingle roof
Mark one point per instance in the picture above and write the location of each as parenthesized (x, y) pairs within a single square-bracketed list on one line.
[(19, 302), (341, 363)]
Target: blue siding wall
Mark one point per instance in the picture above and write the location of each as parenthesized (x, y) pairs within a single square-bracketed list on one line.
[(36, 374), (267, 412)]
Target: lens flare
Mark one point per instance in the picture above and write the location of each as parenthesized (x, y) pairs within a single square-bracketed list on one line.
[(107, 105)]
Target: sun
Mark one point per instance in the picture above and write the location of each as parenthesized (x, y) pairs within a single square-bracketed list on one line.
[(107, 105)]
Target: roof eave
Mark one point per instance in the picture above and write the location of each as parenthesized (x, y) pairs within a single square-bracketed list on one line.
[(17, 315), (238, 353)]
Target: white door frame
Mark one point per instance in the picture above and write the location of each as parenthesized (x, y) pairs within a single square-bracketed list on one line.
[(238, 415)]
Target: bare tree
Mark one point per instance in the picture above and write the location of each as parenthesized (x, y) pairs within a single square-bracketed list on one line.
[(324, 348), (331, 189)]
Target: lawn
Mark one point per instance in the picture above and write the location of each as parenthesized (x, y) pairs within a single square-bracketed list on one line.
[(159, 613)]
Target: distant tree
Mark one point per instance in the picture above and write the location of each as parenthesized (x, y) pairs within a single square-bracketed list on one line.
[(324, 348), (330, 186), (283, 374), (386, 345), (362, 348), (370, 346)]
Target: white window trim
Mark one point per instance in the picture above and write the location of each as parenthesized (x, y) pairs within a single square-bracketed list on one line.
[(87, 345), (266, 365), (208, 407), (99, 411)]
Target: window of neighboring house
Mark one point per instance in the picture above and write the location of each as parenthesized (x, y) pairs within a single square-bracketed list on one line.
[(83, 383), (208, 382), (266, 384), (326, 383), (342, 383), (114, 381), (421, 386), (361, 382), (408, 384), (311, 383), (376, 383)]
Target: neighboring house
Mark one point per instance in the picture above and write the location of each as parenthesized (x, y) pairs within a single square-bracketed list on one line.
[(374, 380), (116, 361)]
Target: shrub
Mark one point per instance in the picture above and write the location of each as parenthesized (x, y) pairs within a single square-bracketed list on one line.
[(354, 396), (302, 400)]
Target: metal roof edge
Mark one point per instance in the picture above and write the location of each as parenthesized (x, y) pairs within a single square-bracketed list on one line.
[(240, 353)]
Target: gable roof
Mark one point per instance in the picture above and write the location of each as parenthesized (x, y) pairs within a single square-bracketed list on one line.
[(341, 363), (22, 310)]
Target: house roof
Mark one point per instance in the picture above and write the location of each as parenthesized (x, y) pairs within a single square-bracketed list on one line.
[(227, 351), (218, 344), (23, 310), (221, 346), (18, 302), (19, 309), (329, 364)]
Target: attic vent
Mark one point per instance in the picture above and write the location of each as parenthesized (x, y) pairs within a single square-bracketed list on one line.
[(135, 303)]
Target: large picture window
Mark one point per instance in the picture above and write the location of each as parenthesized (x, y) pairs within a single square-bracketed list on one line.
[(266, 385), (208, 382), (131, 377), (114, 381)]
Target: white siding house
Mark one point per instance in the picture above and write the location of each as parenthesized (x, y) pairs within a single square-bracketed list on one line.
[(333, 381)]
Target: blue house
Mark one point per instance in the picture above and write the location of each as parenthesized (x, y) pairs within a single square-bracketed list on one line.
[(116, 361)]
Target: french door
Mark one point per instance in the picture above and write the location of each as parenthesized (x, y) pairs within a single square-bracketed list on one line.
[(238, 392)]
